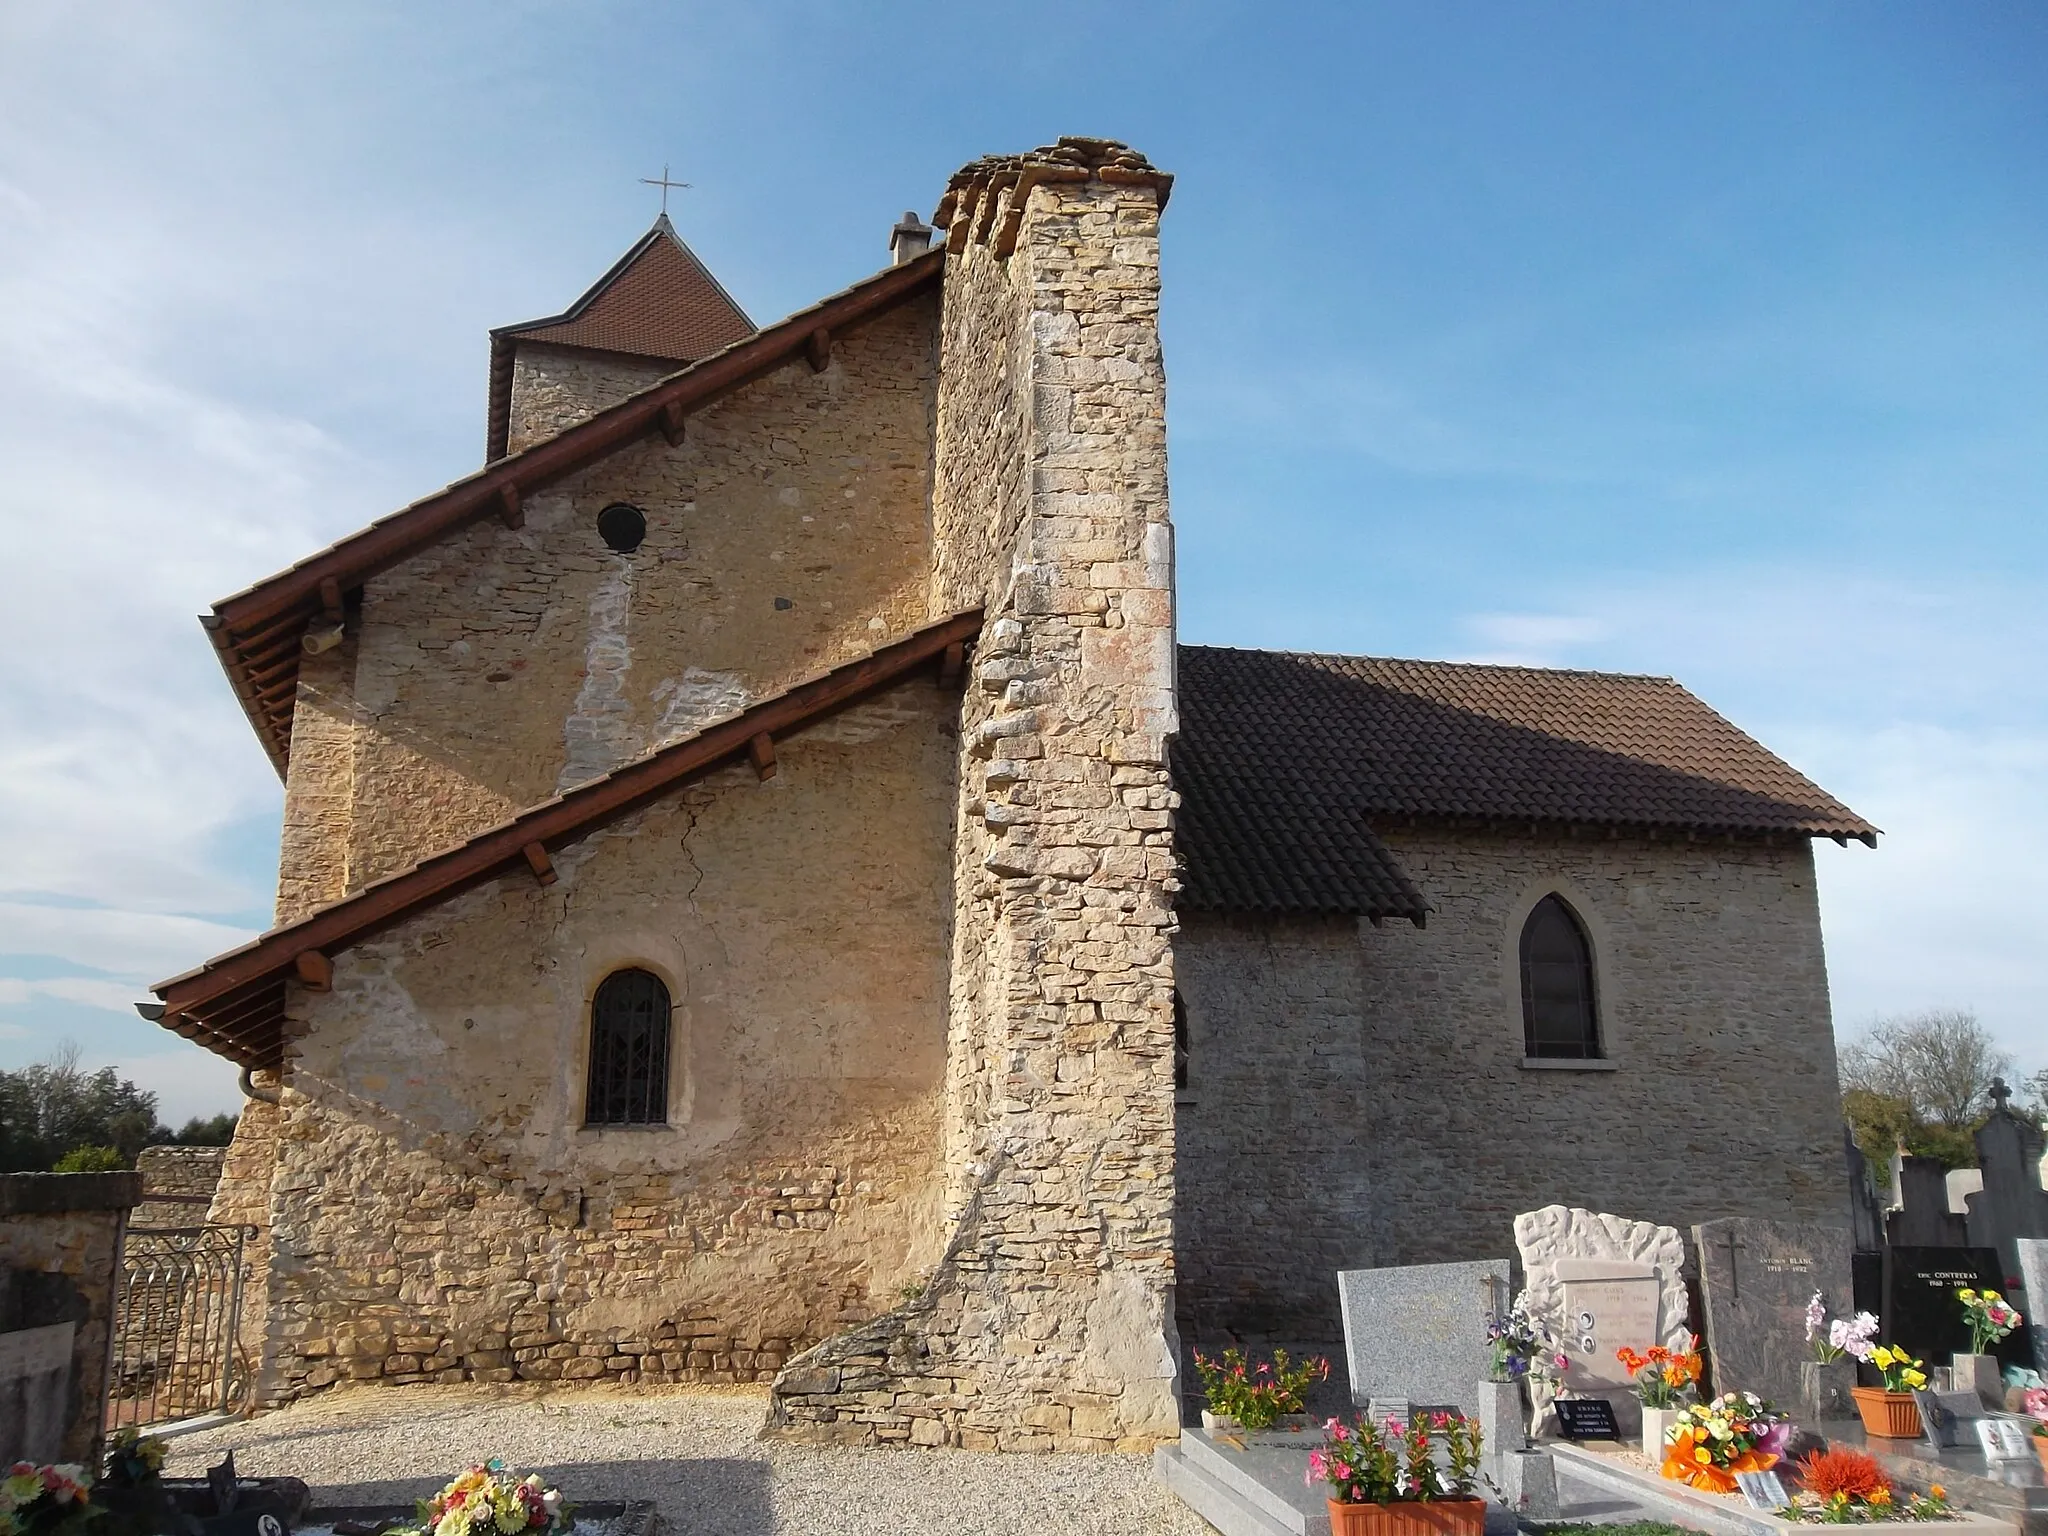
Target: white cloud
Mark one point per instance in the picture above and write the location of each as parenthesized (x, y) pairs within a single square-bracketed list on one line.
[(144, 945), (93, 991)]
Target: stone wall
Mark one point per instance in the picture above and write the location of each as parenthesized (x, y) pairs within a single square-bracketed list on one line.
[(60, 1248), (1358, 1097), (555, 388), (188, 1175), (1048, 1323), (436, 1208), (789, 532)]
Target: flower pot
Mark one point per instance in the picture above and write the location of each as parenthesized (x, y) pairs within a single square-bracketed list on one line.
[(1824, 1391), (1982, 1375), (1501, 1426), (1888, 1415), (1432, 1517), (2041, 1450), (1287, 1424), (1656, 1425)]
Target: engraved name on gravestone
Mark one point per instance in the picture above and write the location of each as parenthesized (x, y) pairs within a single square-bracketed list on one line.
[(1419, 1331), (35, 1392), (1609, 1305), (1757, 1278), (1921, 1314)]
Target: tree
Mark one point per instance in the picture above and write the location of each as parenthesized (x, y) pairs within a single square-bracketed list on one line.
[(55, 1107), (1923, 1082), (214, 1131)]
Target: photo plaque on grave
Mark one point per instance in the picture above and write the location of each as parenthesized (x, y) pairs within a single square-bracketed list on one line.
[(2005, 1439), (1763, 1490)]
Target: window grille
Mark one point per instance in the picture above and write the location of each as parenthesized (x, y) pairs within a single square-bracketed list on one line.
[(629, 1027), (1559, 1015)]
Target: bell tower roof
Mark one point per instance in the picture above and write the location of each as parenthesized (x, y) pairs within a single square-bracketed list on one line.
[(658, 301)]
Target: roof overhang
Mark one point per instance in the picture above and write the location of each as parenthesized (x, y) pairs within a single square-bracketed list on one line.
[(259, 634), (234, 1004)]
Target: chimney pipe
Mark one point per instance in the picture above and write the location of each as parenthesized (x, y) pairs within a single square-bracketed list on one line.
[(909, 239)]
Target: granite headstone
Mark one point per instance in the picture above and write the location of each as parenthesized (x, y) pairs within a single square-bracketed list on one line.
[(35, 1392), (1757, 1278), (1921, 1314), (1419, 1330), (2033, 1302), (1554, 1243)]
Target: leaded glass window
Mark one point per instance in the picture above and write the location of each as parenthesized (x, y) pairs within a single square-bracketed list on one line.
[(628, 1051), (1559, 1015)]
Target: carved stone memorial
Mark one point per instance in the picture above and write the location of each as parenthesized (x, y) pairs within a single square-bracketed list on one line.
[(1757, 1278)]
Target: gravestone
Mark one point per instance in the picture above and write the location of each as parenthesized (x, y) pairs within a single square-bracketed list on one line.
[(2011, 1203), (35, 1393), (1756, 1279), (1559, 1245), (1921, 1314), (1919, 1216), (2033, 1303), (1418, 1331)]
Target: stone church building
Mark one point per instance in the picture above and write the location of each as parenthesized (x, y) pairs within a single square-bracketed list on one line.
[(765, 896)]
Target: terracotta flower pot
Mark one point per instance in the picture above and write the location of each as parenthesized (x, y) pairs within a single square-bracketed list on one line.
[(2041, 1450), (1889, 1415), (1432, 1517)]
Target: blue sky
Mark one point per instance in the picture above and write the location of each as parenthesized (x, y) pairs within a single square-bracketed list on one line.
[(1703, 340)]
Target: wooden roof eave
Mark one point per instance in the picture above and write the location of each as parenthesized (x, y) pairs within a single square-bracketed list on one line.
[(221, 988), (284, 604)]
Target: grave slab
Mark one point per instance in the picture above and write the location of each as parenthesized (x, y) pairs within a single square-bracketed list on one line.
[(2033, 1303), (1418, 1331), (1756, 1280)]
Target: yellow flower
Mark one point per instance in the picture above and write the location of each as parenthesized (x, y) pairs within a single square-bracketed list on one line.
[(1914, 1378), (1966, 1294)]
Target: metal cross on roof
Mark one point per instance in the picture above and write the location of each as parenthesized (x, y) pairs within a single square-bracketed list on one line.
[(664, 183)]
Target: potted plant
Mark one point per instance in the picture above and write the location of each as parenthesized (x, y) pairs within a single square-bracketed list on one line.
[(1991, 1317), (1664, 1379), (1519, 1347), (1257, 1396), (1838, 1486), (1387, 1479), (1827, 1375), (1889, 1411), (1711, 1442)]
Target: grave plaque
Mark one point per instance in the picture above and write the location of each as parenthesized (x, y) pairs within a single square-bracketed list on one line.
[(35, 1392), (2005, 1439), (1419, 1331), (1586, 1418), (1921, 1314), (1609, 1304), (1946, 1417), (1757, 1278), (1763, 1490)]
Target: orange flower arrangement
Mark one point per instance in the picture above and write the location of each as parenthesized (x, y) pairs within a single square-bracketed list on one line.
[(1688, 1459), (1663, 1375), (1838, 1470), (1712, 1442)]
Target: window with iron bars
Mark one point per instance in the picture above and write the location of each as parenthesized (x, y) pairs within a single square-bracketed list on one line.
[(629, 1028)]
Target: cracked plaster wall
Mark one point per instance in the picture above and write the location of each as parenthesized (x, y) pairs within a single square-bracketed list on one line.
[(436, 1209)]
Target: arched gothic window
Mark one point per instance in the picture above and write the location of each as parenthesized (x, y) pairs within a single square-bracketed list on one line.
[(1180, 1043), (1559, 1013), (628, 1051)]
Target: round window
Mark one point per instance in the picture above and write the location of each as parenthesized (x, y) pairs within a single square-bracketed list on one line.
[(622, 527)]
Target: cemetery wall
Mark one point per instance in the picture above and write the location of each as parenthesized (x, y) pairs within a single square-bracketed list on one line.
[(1358, 1095), (787, 534), (60, 1248), (437, 1210), (191, 1173), (1047, 1325)]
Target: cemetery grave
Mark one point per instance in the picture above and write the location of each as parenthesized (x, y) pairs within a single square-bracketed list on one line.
[(1416, 1340)]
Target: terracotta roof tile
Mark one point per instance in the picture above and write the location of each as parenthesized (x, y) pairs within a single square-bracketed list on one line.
[(1284, 761), (659, 300)]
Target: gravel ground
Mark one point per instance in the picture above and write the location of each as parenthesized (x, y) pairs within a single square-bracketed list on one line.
[(694, 1453)]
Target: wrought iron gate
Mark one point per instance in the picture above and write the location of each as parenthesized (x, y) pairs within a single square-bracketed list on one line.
[(177, 1326)]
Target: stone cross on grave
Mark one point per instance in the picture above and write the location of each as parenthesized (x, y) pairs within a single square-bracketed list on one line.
[(1999, 1093), (1734, 1246)]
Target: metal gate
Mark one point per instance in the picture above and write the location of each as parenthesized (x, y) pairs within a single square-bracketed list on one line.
[(177, 1326)]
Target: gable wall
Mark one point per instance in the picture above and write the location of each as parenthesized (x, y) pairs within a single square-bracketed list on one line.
[(436, 1209), (1357, 1097), (500, 666)]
